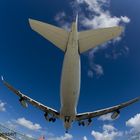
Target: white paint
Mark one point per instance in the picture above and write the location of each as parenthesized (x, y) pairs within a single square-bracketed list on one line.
[(70, 78)]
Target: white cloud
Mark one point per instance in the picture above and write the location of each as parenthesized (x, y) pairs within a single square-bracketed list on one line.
[(85, 138), (117, 52), (106, 117), (29, 135), (28, 124), (60, 15), (98, 17), (125, 19), (65, 137), (134, 122), (109, 133), (93, 67), (60, 18), (2, 106)]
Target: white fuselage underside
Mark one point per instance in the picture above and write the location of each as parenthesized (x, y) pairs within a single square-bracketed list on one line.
[(71, 76)]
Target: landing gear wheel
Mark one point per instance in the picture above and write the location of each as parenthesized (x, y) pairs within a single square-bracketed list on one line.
[(67, 119), (53, 119), (83, 123)]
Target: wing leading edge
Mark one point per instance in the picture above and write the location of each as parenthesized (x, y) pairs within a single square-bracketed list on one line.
[(89, 115), (25, 98)]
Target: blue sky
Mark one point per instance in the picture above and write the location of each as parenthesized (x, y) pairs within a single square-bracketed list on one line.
[(110, 74)]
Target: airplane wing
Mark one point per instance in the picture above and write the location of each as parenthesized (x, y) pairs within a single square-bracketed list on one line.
[(23, 99), (91, 38), (57, 36), (114, 110)]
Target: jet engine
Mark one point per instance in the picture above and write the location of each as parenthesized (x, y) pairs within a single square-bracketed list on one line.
[(23, 102), (115, 114)]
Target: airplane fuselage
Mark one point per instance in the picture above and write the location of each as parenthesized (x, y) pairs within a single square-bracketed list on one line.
[(70, 79)]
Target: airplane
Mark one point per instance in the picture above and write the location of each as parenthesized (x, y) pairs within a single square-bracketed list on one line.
[(72, 43)]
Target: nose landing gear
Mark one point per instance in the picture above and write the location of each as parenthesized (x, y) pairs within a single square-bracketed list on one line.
[(66, 131), (67, 123), (67, 119)]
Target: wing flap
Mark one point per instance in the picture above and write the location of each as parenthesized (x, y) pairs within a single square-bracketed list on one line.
[(97, 113), (57, 36), (92, 38)]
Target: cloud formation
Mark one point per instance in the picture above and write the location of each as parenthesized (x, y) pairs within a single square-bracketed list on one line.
[(117, 52), (99, 17), (109, 133), (2, 106), (65, 137), (60, 18), (85, 138), (134, 124), (106, 117), (94, 69), (28, 124)]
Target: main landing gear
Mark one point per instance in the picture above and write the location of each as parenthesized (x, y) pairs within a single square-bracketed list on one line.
[(67, 119), (49, 118), (84, 123)]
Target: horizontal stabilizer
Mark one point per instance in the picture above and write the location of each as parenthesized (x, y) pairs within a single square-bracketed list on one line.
[(57, 36), (92, 38)]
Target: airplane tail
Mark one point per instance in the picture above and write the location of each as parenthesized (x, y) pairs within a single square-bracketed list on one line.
[(55, 35), (86, 39)]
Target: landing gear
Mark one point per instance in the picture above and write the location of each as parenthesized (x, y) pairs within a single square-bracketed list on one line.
[(81, 123), (52, 119), (49, 118), (89, 121), (66, 131), (85, 123), (67, 119)]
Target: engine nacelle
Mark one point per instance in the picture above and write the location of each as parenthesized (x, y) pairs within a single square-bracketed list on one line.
[(23, 102), (115, 114)]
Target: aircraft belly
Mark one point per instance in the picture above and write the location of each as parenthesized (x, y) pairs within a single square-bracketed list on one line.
[(70, 84)]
